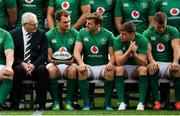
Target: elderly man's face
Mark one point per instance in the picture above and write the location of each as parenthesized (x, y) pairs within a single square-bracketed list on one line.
[(31, 26)]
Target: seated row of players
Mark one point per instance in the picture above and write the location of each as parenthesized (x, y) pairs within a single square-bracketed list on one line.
[(131, 53), (128, 58)]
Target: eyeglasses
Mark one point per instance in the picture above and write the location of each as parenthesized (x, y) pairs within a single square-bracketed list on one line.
[(33, 25)]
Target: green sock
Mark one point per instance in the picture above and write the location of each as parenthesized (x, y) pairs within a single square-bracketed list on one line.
[(108, 89), (54, 90), (154, 86), (176, 82), (71, 86), (119, 86), (143, 84), (5, 89), (84, 88)]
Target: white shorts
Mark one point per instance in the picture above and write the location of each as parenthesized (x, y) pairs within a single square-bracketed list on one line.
[(130, 69), (62, 68), (163, 69), (96, 71), (2, 66)]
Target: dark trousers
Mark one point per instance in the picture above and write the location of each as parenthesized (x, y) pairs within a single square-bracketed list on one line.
[(40, 75)]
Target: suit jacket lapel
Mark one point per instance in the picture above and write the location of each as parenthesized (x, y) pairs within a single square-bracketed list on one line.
[(21, 41)]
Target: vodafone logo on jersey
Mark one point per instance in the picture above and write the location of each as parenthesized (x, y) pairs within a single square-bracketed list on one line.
[(160, 47), (94, 49), (28, 1), (65, 5), (135, 14), (174, 11), (63, 49), (100, 10)]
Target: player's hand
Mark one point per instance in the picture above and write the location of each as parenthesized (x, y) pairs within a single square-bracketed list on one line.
[(109, 67), (131, 46), (31, 68), (82, 68), (25, 66), (69, 62), (8, 71), (153, 68), (175, 67)]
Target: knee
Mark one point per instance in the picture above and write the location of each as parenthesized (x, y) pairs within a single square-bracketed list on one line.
[(119, 70), (71, 72), (82, 75), (19, 69), (53, 71), (142, 70), (10, 75), (108, 75)]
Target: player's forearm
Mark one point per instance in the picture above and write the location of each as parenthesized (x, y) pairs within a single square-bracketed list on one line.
[(176, 55), (50, 21), (139, 60), (111, 61), (81, 21), (118, 22), (9, 58), (150, 58), (122, 59), (78, 58)]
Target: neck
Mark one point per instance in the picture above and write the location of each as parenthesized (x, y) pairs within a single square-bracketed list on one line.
[(61, 30), (97, 30)]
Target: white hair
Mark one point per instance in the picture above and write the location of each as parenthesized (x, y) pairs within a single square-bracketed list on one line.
[(28, 17)]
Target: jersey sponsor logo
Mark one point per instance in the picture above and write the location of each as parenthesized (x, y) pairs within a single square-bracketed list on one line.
[(160, 47), (54, 41), (100, 10), (28, 1), (109, 2), (94, 49), (135, 14), (144, 5), (153, 38), (125, 5), (63, 49), (65, 5), (174, 11), (164, 3)]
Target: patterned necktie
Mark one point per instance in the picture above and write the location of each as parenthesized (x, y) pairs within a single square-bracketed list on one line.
[(27, 56)]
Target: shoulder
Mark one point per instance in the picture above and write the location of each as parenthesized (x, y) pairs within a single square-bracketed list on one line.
[(105, 31), (148, 31), (72, 30), (40, 31), (16, 32), (82, 30), (171, 28), (141, 38), (117, 39)]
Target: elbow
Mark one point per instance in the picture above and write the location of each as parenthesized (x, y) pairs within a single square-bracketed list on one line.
[(119, 63), (143, 63)]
